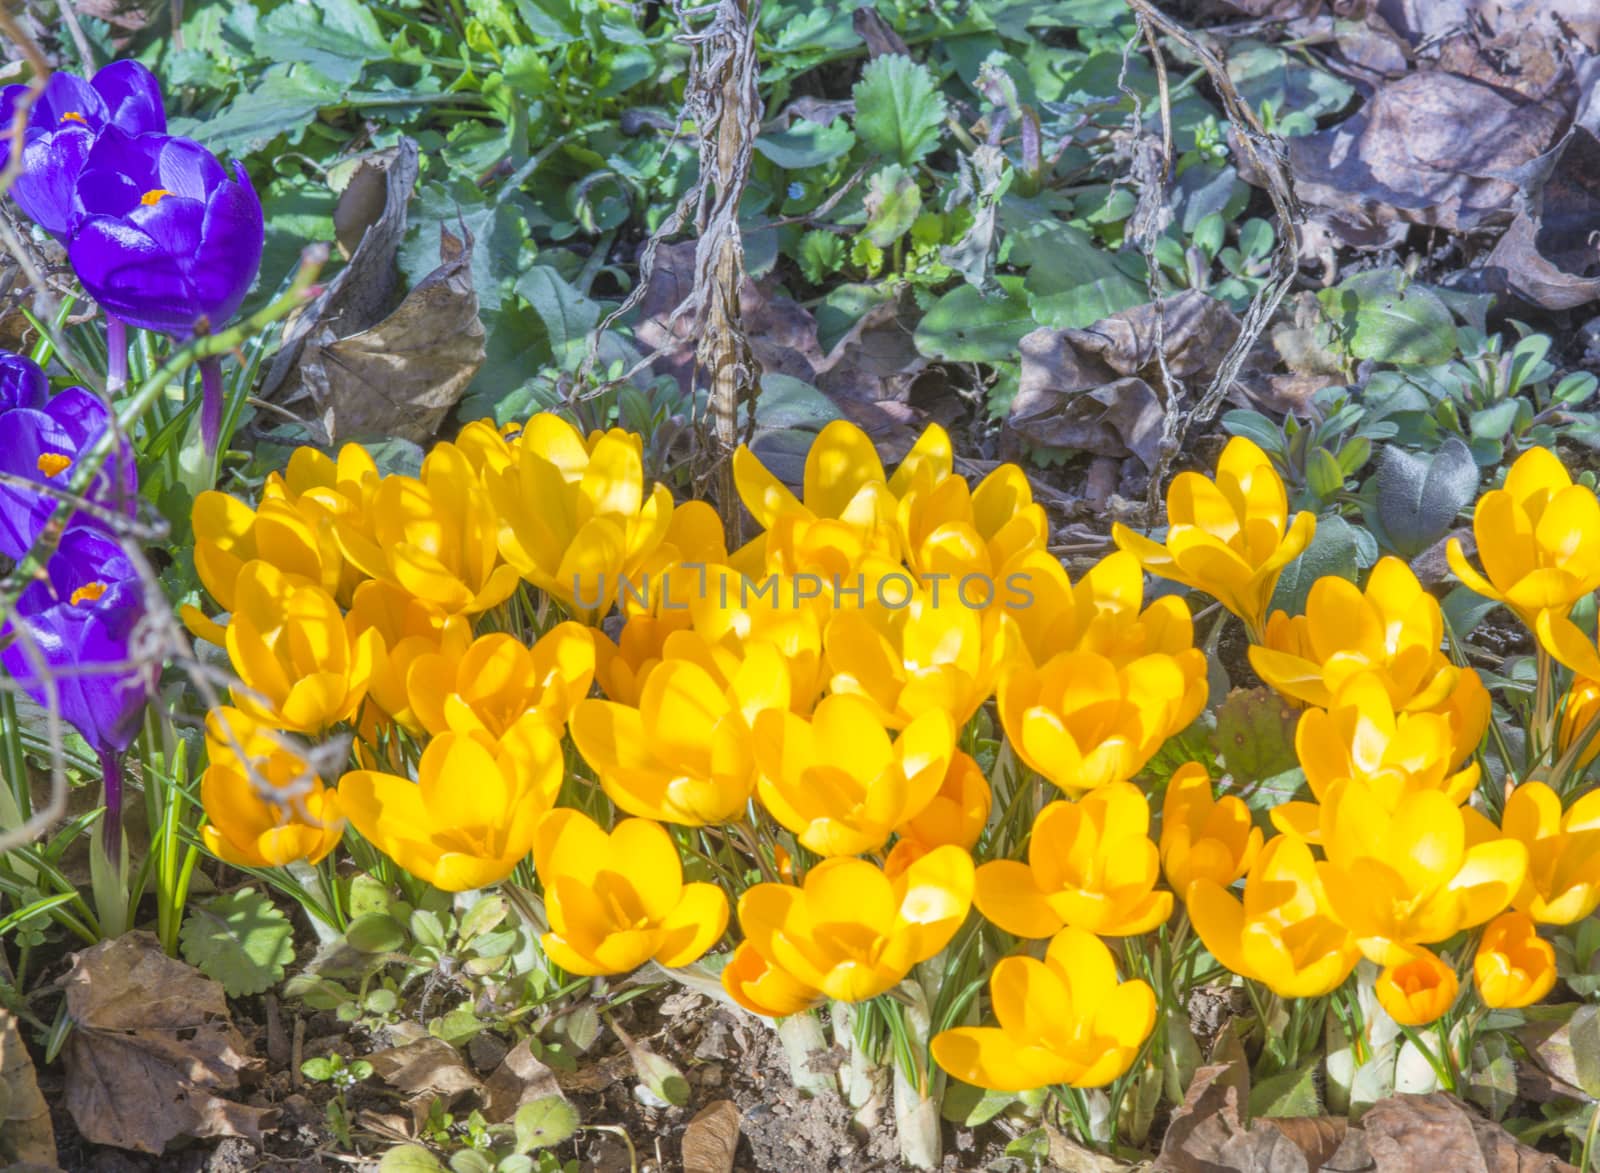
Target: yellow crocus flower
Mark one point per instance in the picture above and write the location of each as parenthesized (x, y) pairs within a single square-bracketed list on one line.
[(1514, 967), (1063, 1020), (575, 519), (1415, 872), (264, 805), (1203, 837), (851, 932), (1283, 934), (433, 536), (1538, 537), (1091, 865), (925, 656), (1563, 879), (1417, 988), (1393, 629), (618, 900), (497, 679), (1084, 721), (1229, 538), (686, 753), (299, 665), (838, 782), (471, 815)]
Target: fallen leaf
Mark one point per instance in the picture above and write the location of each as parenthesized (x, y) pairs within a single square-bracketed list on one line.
[(520, 1079), (1429, 148), (1550, 254), (425, 1066), (711, 1138), (369, 286), (1405, 1133), (152, 1046), (25, 1130), (401, 377), (1068, 1156)]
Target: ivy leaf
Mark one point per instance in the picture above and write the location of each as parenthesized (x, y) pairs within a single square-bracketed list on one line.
[(899, 109), (242, 940)]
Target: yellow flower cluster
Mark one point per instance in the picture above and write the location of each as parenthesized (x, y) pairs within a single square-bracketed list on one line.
[(806, 709), (1391, 858)]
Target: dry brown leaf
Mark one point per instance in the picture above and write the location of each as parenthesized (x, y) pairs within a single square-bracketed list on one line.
[(520, 1079), (711, 1138), (365, 290), (425, 1066), (153, 1045), (1406, 1133), (25, 1130), (1068, 1156), (1429, 148), (401, 377)]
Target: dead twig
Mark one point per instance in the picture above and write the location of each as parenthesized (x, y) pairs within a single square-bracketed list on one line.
[(1266, 151)]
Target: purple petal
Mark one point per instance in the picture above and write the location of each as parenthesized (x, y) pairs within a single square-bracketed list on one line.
[(132, 97), (231, 243), (187, 169), (173, 222), (66, 95), (22, 383), (23, 512), (132, 277), (51, 167)]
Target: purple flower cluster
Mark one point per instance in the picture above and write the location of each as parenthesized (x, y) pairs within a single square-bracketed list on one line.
[(159, 232), (66, 641)]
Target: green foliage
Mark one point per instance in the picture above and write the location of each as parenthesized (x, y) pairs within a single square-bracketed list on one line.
[(242, 940), (899, 110)]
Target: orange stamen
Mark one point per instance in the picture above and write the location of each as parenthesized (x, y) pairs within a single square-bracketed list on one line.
[(153, 196), (89, 592), (74, 116), (53, 464)]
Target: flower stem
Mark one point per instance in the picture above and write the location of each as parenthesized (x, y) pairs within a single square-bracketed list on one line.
[(211, 405), (111, 766), (116, 355)]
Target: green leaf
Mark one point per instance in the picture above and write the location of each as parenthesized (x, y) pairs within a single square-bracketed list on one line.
[(470, 1161), (899, 109), (972, 1106), (319, 1069), (1289, 1093), (788, 402), (1264, 73), (335, 37), (1072, 282), (892, 204), (285, 102), (1254, 736), (242, 940), (1493, 422), (964, 326), (1334, 551), (377, 932), (544, 1122), (820, 255), (1382, 323), (807, 144), (1419, 497), (368, 895), (568, 316)]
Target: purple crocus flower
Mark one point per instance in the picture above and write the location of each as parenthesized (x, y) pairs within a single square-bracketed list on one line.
[(22, 383), (73, 629), (41, 444), (166, 239), (63, 124)]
